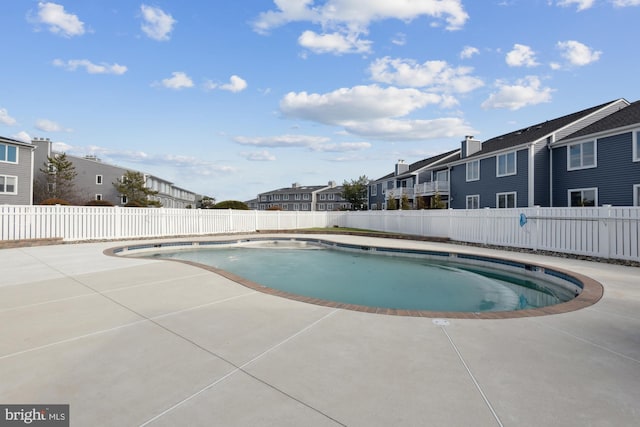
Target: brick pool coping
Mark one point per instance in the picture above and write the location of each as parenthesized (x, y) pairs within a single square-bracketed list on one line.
[(592, 292)]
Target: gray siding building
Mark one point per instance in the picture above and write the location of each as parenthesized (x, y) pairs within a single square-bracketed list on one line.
[(513, 170), (16, 172), (295, 198), (420, 182), (95, 179), (600, 164)]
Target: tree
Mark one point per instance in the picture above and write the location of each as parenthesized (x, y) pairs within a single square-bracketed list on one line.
[(437, 203), (206, 202), (58, 181), (404, 203), (391, 204), (355, 192), (133, 187), (231, 204)]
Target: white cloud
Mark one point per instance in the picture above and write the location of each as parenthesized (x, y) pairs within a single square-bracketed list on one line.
[(392, 129), (578, 54), (524, 92), (282, 140), (400, 39), (59, 21), (335, 43), (156, 24), (468, 52), (342, 147), (313, 143), (374, 112), (91, 68), (582, 4), (357, 15), (46, 125), (626, 3), (344, 21), (437, 75), (186, 164), (521, 56), (258, 156), (5, 118), (236, 84), (355, 104), (22, 136), (179, 80)]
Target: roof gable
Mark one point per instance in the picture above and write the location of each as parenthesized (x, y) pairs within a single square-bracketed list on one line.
[(421, 164), (624, 117), (535, 132)]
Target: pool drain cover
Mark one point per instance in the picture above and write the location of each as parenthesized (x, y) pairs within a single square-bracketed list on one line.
[(440, 322)]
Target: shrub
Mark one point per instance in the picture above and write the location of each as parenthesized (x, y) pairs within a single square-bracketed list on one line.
[(54, 201), (231, 204), (98, 203), (134, 205)]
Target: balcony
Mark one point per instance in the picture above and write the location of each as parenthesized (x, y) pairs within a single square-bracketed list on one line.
[(431, 188), (424, 189)]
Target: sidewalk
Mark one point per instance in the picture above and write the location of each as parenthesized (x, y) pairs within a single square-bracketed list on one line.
[(148, 342)]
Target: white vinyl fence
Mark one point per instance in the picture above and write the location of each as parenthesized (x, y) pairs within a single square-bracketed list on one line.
[(608, 232)]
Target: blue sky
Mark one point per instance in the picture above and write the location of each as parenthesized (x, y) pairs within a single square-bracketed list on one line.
[(230, 99)]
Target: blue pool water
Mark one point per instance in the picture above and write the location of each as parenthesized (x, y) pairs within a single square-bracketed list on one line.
[(363, 278)]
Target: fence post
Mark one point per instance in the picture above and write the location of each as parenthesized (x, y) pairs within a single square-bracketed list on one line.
[(536, 229), (606, 231), (485, 227)]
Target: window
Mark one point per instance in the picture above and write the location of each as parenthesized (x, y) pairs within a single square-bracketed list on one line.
[(276, 197), (263, 198), (636, 195), (473, 170), (581, 156), (323, 197), (374, 190), (8, 153), (98, 196), (583, 197), (329, 206), (296, 207), (506, 200), (8, 184), (473, 202), (98, 181), (636, 146), (506, 164), (285, 197), (442, 176), (332, 196), (297, 197), (322, 207), (123, 200), (305, 196)]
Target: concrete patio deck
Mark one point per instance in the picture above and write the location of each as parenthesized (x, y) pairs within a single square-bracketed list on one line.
[(147, 342)]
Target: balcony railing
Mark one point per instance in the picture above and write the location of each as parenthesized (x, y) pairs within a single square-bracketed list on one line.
[(424, 189)]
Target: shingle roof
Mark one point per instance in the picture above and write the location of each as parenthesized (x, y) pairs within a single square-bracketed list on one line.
[(431, 161), (14, 141), (300, 189), (627, 116), (533, 132)]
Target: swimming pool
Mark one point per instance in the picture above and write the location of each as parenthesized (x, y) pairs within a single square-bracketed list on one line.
[(375, 278)]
